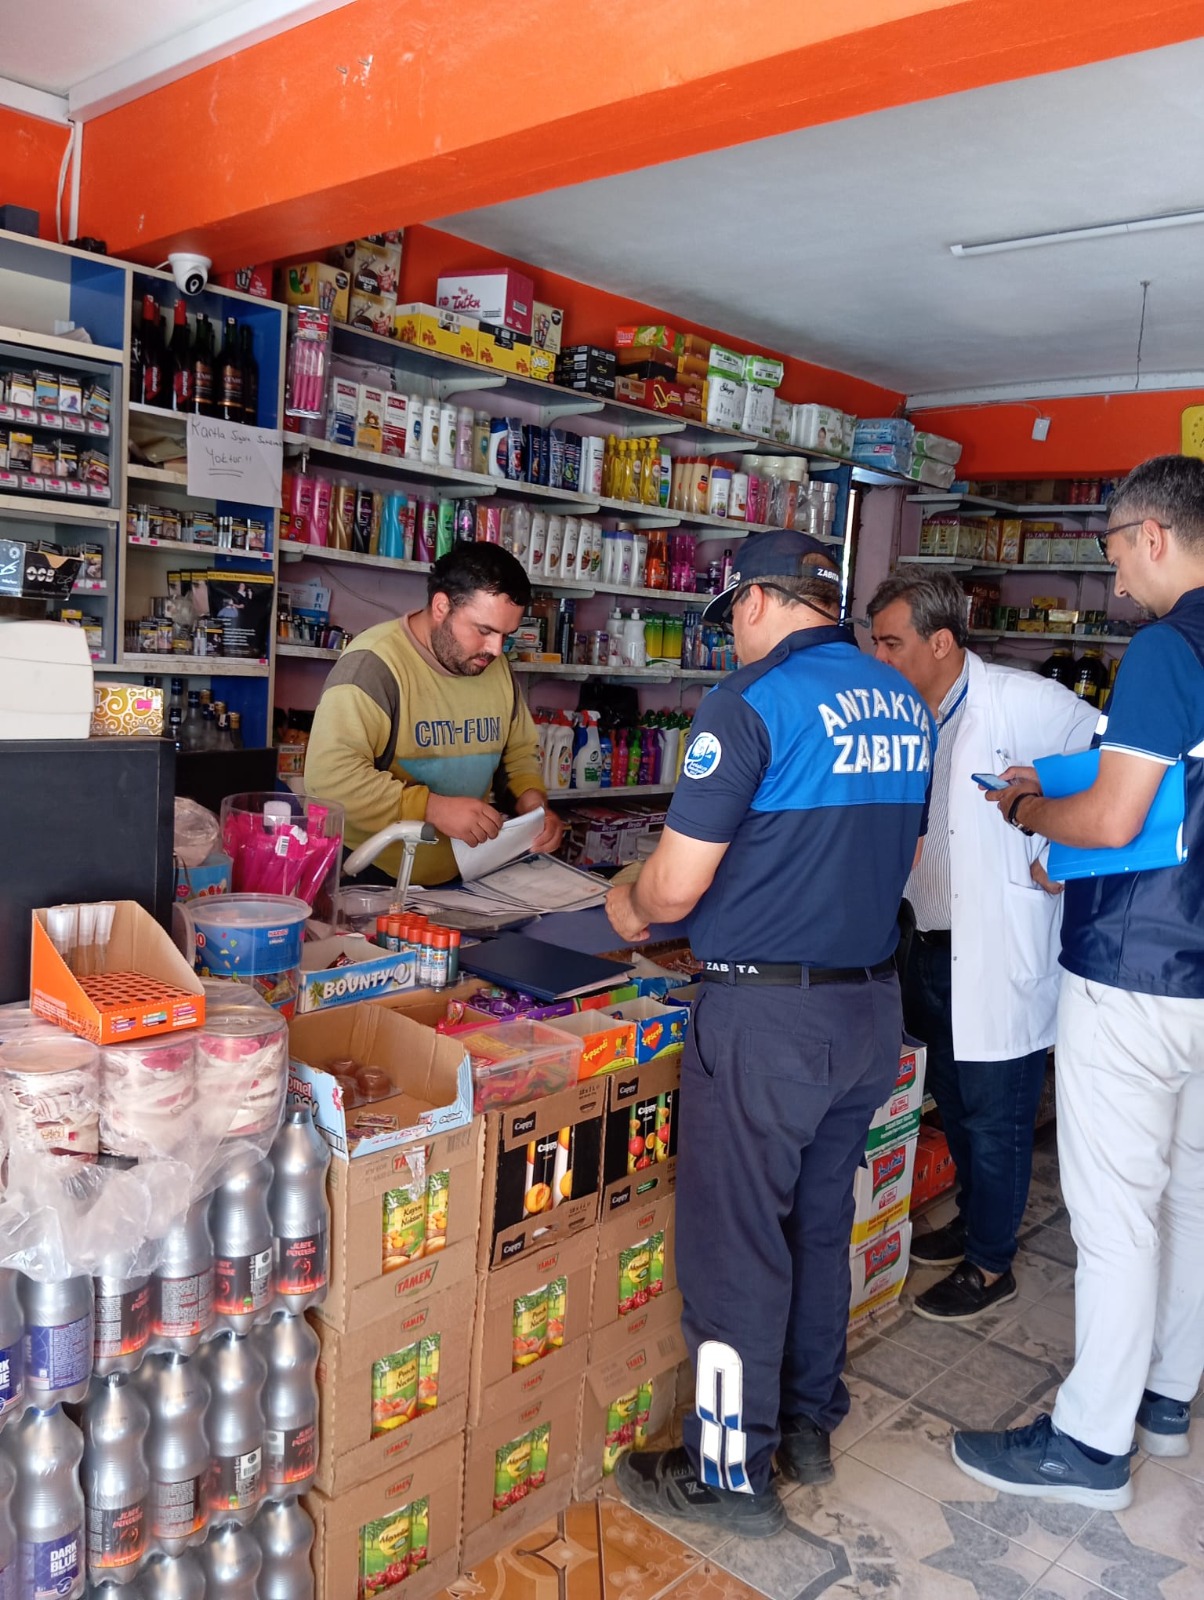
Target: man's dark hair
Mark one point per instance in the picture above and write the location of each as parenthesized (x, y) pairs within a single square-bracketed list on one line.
[(1170, 490), (936, 600), (469, 569)]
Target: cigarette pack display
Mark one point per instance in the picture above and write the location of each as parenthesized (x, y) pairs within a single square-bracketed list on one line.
[(879, 1270), (639, 1137), (882, 1188), (401, 1528), (446, 333), (393, 1388), (542, 1169), (144, 988), (518, 1469), (645, 1377), (532, 1328), (898, 1118)]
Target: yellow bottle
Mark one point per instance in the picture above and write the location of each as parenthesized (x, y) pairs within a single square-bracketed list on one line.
[(636, 469), (610, 456), (650, 476)]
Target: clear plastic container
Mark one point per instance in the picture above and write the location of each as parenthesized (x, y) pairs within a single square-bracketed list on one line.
[(255, 938), (516, 1061), (284, 844)]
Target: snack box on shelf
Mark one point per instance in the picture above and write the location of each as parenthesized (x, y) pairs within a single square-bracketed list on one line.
[(368, 972), (393, 1388), (882, 1188), (402, 1528), (898, 1117), (651, 1362), (316, 283), (879, 1271), (505, 297), (505, 350), (518, 1469), (533, 1325), (547, 326), (444, 332), (148, 987), (126, 710)]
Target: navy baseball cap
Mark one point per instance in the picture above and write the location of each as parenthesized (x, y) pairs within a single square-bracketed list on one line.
[(783, 553)]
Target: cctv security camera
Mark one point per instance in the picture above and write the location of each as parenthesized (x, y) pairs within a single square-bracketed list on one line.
[(190, 272)]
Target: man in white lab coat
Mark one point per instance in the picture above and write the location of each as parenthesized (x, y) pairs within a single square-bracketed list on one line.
[(981, 987)]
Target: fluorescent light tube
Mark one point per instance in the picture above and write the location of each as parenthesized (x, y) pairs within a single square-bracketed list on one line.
[(1103, 230)]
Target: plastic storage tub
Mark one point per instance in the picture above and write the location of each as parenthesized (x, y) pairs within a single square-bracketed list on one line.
[(255, 938), (517, 1061)]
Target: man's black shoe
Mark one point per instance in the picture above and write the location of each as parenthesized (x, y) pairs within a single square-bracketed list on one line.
[(805, 1453), (662, 1483), (945, 1247), (964, 1295)]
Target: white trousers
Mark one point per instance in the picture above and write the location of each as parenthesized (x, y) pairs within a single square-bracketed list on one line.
[(1130, 1092)]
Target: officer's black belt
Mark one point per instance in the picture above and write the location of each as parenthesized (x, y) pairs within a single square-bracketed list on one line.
[(789, 973)]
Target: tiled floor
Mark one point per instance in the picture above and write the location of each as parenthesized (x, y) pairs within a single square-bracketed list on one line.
[(901, 1522)]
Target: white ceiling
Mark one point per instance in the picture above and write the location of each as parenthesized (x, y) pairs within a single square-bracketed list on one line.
[(90, 55), (832, 243)]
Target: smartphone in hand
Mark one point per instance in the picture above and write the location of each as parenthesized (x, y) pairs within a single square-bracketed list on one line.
[(988, 780)]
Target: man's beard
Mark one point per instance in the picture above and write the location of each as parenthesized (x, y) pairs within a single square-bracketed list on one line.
[(449, 655)]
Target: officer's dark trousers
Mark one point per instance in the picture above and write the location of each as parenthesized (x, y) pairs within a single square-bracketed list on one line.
[(778, 1088)]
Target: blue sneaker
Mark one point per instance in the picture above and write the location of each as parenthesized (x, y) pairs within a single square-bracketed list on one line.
[(1041, 1462), (1162, 1425)]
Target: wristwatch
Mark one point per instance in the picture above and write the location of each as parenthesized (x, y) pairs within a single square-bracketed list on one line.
[(1012, 809)]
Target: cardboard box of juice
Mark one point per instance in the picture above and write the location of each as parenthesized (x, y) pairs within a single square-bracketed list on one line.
[(147, 986), (879, 1271), (607, 1045), (627, 1400), (532, 1329), (443, 332), (401, 1528), (639, 1136), (898, 1117), (316, 283), (882, 1188), (543, 1163), (518, 1469), (394, 1387), (505, 297), (661, 1028), (636, 1276)]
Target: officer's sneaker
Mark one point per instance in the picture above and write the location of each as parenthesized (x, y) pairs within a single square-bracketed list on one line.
[(662, 1483), (805, 1452), (1162, 1425), (944, 1247), (964, 1295), (1044, 1464)]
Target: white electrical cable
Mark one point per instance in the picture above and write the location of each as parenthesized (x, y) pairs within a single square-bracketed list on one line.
[(58, 199)]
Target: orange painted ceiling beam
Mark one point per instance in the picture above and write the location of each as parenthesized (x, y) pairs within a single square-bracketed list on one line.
[(382, 114)]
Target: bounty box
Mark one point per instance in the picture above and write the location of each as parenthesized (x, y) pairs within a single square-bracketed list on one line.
[(323, 984)]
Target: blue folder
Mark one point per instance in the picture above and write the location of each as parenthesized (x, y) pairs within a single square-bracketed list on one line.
[(1159, 844)]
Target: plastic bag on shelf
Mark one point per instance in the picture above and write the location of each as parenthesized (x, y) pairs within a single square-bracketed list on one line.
[(197, 833)]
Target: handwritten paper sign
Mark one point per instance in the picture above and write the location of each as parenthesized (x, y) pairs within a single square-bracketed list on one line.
[(227, 461)]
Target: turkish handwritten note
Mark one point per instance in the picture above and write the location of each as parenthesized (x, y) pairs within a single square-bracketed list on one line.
[(227, 461)]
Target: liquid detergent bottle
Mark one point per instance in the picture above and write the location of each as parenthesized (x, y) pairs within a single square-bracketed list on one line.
[(606, 748), (635, 652), (635, 752), (560, 756), (618, 759), (587, 762)]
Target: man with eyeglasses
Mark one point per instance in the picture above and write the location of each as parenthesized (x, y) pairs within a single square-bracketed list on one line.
[(789, 839), (1130, 1042)]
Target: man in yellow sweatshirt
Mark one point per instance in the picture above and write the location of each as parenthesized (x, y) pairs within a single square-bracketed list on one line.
[(420, 713)]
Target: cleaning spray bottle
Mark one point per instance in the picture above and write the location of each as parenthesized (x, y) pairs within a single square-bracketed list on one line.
[(587, 758)]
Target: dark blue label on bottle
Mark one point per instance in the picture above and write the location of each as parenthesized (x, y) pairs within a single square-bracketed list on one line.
[(50, 1568), (11, 1385), (59, 1358)]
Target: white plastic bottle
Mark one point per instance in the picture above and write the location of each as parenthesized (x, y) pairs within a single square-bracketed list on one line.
[(635, 651), (587, 763)]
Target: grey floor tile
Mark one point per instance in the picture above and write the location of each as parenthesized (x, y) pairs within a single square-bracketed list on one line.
[(1054, 1243), (1001, 1366), (1043, 1335), (1038, 1276), (961, 1399), (870, 1405), (1059, 1584), (1152, 1551), (893, 1367), (939, 1341), (1044, 1200)]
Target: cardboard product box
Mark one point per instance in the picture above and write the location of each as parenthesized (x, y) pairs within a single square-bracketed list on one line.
[(531, 1152), (763, 371), (255, 280), (503, 297), (588, 383), (374, 264), (536, 1313), (934, 1170), (123, 711), (394, 1387), (444, 332), (518, 1469), (607, 1045), (724, 400), (671, 396), (639, 1136), (147, 988), (1036, 550), (610, 1422), (547, 326), (879, 1271), (397, 1230), (758, 409), (898, 1118), (661, 1028), (363, 1539), (635, 1283), (323, 984), (882, 1188), (374, 313), (317, 283), (658, 335), (1011, 540), (588, 360), (504, 349), (543, 364)]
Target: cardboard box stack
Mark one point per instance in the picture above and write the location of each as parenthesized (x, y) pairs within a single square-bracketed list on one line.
[(882, 1192)]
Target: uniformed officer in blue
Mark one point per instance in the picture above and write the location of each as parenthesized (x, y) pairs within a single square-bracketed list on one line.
[(789, 839)]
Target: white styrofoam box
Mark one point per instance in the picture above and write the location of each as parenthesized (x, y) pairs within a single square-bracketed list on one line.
[(45, 681)]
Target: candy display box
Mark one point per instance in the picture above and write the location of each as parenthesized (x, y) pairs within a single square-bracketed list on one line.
[(393, 1388), (147, 987)]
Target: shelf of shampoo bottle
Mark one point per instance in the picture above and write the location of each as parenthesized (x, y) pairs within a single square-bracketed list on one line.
[(452, 482), (664, 672)]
